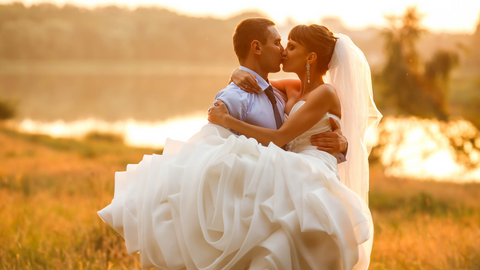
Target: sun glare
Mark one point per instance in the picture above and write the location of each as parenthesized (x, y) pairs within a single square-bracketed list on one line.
[(135, 133), (421, 149)]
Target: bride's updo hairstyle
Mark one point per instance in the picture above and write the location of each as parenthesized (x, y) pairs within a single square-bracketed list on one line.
[(318, 39)]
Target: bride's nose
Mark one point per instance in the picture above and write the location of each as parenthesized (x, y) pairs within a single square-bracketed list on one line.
[(284, 53)]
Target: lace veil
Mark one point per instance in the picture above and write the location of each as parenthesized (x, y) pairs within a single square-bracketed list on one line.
[(349, 73)]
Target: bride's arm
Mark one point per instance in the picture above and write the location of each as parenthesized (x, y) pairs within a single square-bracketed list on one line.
[(318, 103), (248, 83)]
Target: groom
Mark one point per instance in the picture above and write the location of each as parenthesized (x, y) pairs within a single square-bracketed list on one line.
[(256, 42)]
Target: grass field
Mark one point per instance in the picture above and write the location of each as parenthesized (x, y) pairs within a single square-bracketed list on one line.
[(50, 190)]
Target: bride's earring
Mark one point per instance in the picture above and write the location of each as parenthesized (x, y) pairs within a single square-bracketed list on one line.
[(308, 72)]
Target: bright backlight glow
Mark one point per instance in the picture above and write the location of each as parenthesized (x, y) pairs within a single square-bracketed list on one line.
[(135, 133)]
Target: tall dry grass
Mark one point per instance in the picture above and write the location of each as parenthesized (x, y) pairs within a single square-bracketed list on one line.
[(424, 224), (50, 190)]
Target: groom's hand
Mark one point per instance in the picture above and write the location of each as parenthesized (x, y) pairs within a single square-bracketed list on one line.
[(332, 142)]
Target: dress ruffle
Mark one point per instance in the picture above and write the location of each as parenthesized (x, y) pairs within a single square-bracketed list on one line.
[(221, 201)]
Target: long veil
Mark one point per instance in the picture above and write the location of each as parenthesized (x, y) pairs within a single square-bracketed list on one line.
[(349, 73)]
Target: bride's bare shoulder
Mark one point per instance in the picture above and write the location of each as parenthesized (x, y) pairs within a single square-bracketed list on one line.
[(323, 91), (327, 87), (325, 96)]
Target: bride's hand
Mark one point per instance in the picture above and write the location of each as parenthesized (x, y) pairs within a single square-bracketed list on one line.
[(218, 113), (246, 81)]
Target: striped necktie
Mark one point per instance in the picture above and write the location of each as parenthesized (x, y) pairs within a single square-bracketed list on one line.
[(271, 97)]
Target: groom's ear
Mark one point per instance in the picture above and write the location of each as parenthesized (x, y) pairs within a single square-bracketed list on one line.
[(255, 47)]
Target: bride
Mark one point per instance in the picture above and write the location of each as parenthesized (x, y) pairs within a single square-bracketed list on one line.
[(222, 201)]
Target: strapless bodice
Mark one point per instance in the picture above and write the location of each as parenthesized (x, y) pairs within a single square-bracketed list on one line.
[(302, 142)]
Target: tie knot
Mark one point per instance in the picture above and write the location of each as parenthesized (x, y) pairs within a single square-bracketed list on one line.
[(270, 95)]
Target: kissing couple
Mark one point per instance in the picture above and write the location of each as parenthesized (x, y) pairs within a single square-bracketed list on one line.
[(269, 183)]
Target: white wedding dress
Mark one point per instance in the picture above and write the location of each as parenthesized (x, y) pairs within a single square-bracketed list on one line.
[(221, 201)]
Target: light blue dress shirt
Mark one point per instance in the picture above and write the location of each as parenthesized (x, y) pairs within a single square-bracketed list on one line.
[(254, 109)]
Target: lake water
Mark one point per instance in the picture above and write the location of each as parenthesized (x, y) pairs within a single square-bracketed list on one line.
[(111, 92)]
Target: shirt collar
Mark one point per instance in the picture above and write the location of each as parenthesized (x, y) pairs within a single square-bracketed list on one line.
[(261, 82)]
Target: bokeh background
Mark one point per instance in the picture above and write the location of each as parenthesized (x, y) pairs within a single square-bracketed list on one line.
[(87, 87)]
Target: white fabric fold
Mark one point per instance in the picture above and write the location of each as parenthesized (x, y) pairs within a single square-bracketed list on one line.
[(220, 201)]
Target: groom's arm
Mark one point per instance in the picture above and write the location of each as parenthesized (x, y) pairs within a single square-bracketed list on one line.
[(332, 142)]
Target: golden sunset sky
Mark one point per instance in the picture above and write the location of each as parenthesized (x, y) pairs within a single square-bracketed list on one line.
[(440, 16)]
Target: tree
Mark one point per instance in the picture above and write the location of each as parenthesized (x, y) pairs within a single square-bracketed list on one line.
[(400, 78), (406, 88), (437, 79)]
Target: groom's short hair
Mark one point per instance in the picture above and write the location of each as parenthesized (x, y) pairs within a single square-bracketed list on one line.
[(247, 31)]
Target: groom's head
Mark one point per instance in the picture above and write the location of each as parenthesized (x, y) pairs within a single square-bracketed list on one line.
[(258, 40)]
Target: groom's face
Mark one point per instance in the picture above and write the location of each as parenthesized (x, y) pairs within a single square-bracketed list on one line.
[(272, 51)]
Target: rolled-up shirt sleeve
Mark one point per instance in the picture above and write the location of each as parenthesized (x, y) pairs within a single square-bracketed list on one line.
[(236, 102)]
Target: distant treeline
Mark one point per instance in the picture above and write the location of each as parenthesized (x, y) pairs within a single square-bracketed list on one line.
[(47, 31)]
